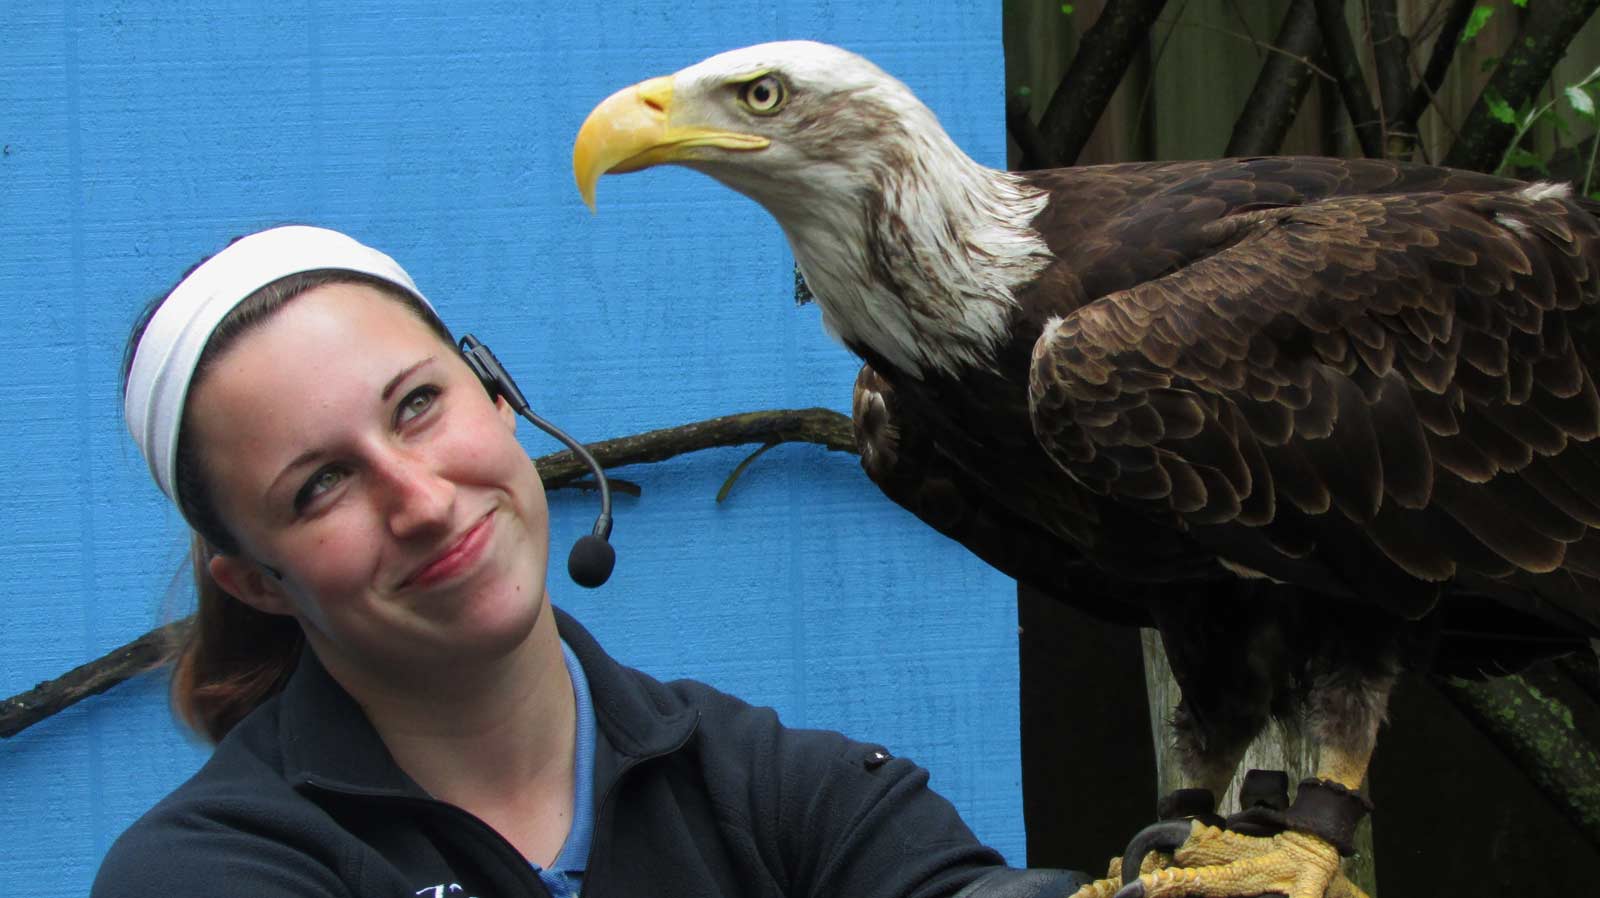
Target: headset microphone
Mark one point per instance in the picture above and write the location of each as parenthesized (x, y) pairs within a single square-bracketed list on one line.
[(592, 556)]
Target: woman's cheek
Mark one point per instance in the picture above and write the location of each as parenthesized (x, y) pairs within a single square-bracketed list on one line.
[(339, 556)]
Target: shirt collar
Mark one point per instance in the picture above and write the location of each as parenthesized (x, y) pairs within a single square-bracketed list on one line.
[(575, 851)]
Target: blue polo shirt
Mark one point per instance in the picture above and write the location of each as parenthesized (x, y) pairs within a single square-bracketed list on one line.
[(564, 877)]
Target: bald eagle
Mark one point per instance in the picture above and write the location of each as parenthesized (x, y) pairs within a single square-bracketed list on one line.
[(1315, 419)]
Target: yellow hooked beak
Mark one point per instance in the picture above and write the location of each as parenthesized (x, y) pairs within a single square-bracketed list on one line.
[(632, 129)]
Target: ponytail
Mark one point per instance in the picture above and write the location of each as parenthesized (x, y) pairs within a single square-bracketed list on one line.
[(232, 659)]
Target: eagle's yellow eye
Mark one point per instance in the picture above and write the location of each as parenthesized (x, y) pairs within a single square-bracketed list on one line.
[(763, 96)]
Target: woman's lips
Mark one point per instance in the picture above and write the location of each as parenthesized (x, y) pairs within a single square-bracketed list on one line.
[(460, 556)]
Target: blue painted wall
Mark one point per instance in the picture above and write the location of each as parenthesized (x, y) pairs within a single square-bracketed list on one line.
[(135, 136)]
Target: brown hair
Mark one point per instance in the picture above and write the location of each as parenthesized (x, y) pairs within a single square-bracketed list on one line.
[(234, 657)]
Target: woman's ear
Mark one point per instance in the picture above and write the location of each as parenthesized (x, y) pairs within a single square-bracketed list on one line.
[(248, 582)]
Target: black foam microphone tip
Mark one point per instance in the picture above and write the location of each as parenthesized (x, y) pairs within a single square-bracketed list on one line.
[(591, 561)]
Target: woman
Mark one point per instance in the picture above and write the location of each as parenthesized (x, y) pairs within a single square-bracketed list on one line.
[(398, 710)]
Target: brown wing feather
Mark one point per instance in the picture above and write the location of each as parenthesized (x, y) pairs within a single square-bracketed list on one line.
[(900, 455), (1395, 371)]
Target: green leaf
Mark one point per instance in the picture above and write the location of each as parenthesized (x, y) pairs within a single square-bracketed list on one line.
[(1521, 3), (1067, 9), (727, 485), (1499, 108), (1520, 158), (1480, 17), (1581, 102)]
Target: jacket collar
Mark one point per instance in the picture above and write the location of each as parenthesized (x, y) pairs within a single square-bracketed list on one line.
[(326, 740)]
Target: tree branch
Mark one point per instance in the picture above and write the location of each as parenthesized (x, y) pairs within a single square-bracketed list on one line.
[(1537, 731), (1302, 59), (1035, 149), (1391, 52), (1549, 27), (1281, 87), (813, 425), (1347, 70), (1439, 59), (1103, 57), (25, 709)]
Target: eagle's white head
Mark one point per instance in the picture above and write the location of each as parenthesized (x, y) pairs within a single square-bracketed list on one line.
[(911, 247)]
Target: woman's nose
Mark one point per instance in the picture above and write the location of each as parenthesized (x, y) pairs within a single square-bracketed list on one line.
[(419, 499)]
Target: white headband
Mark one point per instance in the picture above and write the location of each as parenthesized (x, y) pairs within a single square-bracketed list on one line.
[(169, 349)]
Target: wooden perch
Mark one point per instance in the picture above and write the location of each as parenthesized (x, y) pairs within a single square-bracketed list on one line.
[(813, 425)]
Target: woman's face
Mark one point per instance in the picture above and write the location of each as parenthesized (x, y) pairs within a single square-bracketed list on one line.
[(354, 452)]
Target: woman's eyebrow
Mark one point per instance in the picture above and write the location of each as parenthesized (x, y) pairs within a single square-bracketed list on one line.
[(388, 388)]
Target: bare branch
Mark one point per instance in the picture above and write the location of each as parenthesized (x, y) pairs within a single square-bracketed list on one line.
[(1035, 149), (1347, 69), (1444, 52), (1102, 59), (25, 709), (1390, 51), (813, 425), (1280, 88), (1302, 59)]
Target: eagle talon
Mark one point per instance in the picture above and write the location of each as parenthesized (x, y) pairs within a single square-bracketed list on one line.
[(1165, 836), (1133, 889), (1216, 863)]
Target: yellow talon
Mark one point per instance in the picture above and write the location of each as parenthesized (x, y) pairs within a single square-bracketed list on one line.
[(1217, 863)]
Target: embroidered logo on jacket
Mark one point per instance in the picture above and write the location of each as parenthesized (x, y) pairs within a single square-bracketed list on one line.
[(442, 891)]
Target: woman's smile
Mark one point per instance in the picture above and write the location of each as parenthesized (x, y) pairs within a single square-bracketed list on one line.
[(459, 557)]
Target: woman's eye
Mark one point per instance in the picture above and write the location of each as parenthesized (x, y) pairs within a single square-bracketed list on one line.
[(320, 482), (415, 403), (763, 96)]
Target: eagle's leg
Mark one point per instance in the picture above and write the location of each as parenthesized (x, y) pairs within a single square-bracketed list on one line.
[(1351, 678), (1227, 653), (1227, 699)]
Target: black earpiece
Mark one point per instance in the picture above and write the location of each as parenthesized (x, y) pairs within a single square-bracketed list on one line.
[(592, 556)]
